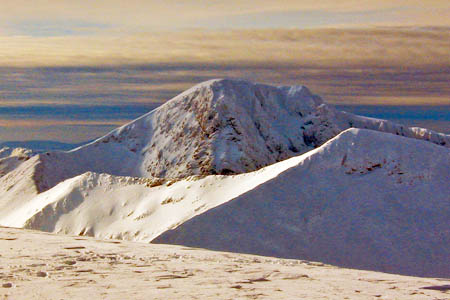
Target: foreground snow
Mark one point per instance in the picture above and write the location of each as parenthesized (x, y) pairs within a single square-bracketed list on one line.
[(42, 266)]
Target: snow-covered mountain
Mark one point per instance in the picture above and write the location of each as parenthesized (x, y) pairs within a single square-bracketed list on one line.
[(276, 157), (139, 209), (220, 126)]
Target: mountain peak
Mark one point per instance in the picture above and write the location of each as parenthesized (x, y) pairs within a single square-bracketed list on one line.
[(220, 126)]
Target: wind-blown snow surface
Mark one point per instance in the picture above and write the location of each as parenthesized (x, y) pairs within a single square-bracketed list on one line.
[(363, 200), (85, 268)]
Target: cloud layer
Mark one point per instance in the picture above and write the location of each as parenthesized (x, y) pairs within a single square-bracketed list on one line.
[(389, 66), (145, 15), (325, 47)]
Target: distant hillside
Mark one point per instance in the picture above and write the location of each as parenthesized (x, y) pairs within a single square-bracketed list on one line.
[(41, 146)]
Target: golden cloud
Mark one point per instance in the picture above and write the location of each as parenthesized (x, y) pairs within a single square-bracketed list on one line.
[(318, 47)]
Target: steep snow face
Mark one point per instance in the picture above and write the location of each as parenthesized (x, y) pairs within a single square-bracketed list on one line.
[(365, 200), (348, 120), (15, 152), (217, 127)]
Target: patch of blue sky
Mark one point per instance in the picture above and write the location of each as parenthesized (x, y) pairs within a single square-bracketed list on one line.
[(405, 112), (75, 112)]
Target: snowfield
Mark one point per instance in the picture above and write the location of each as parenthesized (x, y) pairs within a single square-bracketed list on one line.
[(37, 265), (236, 166)]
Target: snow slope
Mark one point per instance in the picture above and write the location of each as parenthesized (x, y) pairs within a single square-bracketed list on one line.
[(363, 200), (139, 209), (221, 126), (17, 184)]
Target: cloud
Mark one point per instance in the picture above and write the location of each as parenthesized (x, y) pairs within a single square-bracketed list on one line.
[(377, 65), (314, 18), (324, 47), (68, 133)]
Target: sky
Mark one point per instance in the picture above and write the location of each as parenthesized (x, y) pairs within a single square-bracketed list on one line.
[(71, 70), (69, 17)]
